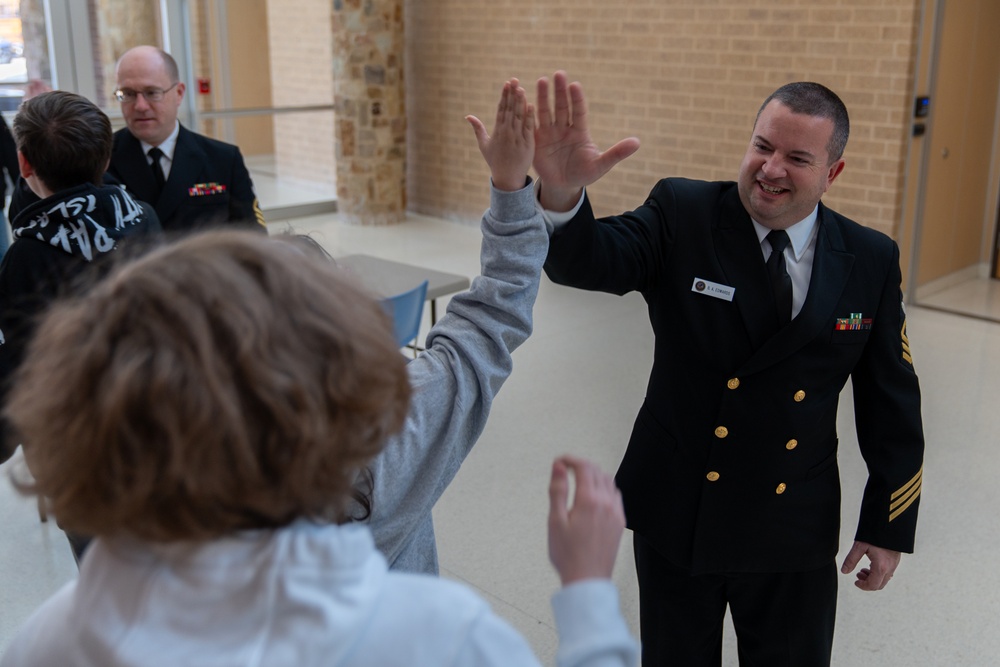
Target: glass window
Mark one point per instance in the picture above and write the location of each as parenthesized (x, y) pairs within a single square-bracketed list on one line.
[(24, 50)]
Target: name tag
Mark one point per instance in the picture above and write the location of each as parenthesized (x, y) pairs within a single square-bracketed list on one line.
[(708, 288)]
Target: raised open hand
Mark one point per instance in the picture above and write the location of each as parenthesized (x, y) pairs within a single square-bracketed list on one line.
[(509, 150), (566, 159)]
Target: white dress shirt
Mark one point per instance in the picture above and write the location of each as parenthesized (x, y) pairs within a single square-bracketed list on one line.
[(168, 146)]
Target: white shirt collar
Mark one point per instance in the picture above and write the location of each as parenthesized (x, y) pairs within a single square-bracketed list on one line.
[(800, 234), (168, 144)]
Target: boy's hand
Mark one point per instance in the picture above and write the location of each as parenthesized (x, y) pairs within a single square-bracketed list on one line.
[(511, 148), (584, 538)]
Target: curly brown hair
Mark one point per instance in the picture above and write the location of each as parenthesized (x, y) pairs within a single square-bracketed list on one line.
[(224, 382)]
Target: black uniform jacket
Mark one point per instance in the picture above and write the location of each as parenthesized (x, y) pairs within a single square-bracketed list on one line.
[(208, 183), (732, 463)]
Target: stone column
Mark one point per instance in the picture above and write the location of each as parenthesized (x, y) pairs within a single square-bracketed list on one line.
[(370, 111)]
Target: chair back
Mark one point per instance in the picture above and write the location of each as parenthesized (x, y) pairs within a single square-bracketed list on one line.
[(406, 311)]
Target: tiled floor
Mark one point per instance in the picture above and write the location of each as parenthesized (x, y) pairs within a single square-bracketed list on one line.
[(576, 386), (280, 195), (975, 297)]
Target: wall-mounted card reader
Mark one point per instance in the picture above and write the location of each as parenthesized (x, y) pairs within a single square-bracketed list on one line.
[(922, 107)]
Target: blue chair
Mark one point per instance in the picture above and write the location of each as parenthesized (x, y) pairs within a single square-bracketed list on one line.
[(406, 311)]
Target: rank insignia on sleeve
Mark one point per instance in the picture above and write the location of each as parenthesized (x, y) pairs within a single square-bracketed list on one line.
[(904, 496), (259, 214), (906, 345), (853, 323)]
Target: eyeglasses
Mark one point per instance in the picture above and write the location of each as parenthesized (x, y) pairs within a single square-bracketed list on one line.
[(150, 94)]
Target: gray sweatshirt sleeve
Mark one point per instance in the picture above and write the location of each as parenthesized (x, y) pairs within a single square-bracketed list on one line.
[(467, 360)]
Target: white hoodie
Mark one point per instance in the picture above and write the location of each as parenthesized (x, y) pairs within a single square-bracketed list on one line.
[(306, 596), (301, 596)]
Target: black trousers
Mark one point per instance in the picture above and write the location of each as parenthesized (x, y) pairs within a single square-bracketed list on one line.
[(782, 619)]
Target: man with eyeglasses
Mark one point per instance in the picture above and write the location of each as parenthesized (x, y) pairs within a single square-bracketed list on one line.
[(191, 180)]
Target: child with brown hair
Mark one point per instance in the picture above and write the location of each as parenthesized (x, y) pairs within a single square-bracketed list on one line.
[(220, 411)]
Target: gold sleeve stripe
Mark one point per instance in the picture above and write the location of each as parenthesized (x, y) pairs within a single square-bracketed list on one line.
[(907, 357), (258, 213), (916, 479), (909, 501), (904, 496), (906, 499)]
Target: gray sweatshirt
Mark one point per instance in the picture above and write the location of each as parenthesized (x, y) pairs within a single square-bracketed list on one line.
[(467, 360)]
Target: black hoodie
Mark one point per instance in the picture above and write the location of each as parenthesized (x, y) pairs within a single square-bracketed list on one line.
[(55, 239)]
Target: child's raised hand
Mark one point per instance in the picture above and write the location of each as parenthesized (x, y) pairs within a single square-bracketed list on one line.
[(584, 537), (510, 149)]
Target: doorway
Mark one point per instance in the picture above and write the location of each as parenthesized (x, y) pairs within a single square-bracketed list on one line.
[(957, 228)]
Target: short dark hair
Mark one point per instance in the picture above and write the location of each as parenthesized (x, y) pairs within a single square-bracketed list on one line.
[(65, 137), (814, 99), (224, 382)]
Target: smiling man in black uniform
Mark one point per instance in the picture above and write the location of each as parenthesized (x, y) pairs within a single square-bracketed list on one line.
[(763, 302), (191, 180)]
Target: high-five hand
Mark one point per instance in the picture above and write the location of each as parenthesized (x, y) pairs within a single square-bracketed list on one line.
[(509, 150), (566, 159)]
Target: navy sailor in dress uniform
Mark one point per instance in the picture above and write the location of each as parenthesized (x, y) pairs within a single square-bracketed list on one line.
[(205, 181), (730, 477)]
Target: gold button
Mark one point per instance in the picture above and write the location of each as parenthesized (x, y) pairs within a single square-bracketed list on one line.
[(800, 396), (781, 488), (733, 383), (721, 432), (791, 444), (712, 476)]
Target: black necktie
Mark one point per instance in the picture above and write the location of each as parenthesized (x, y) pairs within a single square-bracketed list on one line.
[(781, 283), (155, 154)]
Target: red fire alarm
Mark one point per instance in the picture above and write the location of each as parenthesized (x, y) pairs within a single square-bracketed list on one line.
[(204, 86)]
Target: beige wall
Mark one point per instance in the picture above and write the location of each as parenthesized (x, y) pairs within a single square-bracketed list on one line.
[(685, 76), (250, 74), (302, 72)]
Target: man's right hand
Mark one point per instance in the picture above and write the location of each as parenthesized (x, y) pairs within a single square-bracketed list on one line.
[(566, 160)]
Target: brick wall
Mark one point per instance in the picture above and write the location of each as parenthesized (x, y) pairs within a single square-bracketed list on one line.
[(685, 76)]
